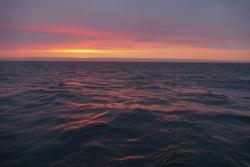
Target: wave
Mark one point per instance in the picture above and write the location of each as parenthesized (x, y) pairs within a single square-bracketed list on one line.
[(124, 114)]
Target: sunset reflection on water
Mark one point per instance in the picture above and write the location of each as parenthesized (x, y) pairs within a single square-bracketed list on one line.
[(124, 114)]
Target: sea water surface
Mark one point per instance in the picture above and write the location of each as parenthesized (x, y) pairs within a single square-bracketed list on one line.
[(104, 114)]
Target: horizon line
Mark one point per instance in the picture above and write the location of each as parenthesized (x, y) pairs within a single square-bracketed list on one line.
[(119, 60)]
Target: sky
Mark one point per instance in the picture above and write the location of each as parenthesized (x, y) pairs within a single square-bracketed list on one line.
[(131, 29)]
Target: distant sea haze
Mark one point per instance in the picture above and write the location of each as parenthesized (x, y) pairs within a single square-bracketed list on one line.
[(115, 114), (107, 59)]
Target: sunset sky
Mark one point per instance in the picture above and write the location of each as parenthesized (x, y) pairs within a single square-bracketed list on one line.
[(141, 29)]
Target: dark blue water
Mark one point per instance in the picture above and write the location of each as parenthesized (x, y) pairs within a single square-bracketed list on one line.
[(66, 114)]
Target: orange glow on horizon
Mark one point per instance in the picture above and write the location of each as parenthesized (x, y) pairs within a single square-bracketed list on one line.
[(146, 52), (107, 44), (85, 51)]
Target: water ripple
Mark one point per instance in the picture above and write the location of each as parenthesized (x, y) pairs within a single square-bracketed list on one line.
[(124, 114)]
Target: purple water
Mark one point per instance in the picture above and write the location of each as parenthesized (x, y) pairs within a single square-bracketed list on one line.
[(124, 114)]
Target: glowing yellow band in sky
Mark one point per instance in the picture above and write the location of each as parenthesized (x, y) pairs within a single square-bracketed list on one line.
[(85, 51)]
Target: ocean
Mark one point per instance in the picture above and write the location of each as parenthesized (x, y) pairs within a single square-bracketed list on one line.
[(124, 114)]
